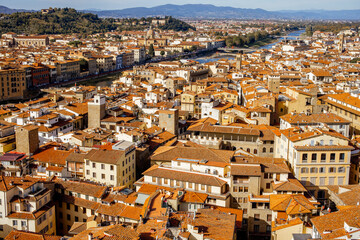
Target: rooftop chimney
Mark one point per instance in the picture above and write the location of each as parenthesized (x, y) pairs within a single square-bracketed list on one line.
[(90, 236)]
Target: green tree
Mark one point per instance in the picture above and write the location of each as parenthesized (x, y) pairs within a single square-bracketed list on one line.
[(309, 31), (162, 53), (193, 48), (229, 42), (75, 43), (151, 50)]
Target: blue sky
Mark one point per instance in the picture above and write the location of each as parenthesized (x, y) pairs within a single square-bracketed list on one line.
[(120, 4)]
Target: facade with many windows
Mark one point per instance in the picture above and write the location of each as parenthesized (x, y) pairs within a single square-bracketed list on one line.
[(25, 204), (346, 105), (111, 167), (318, 156), (13, 83), (212, 178)]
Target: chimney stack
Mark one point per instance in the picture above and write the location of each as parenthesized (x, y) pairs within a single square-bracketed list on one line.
[(90, 236)]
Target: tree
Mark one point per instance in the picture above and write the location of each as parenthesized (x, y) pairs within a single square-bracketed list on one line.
[(229, 42), (355, 60), (309, 31), (61, 21), (193, 48), (75, 43), (151, 50), (162, 53)]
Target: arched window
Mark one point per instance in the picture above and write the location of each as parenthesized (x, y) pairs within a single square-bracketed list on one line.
[(248, 149), (271, 150), (264, 150), (255, 151)]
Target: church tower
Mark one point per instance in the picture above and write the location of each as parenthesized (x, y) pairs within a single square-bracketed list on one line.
[(238, 60), (341, 43), (96, 111)]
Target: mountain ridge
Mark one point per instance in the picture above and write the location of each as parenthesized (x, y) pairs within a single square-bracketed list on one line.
[(209, 11)]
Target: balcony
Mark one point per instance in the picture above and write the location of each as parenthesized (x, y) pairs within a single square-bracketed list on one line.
[(39, 191), (209, 142)]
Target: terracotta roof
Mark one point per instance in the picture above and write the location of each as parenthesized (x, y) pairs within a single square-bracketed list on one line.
[(48, 154), (295, 135), (184, 176), (291, 204), (349, 194), (105, 156), (331, 226), (75, 157), (120, 210), (168, 153), (79, 108), (112, 232), (25, 235), (237, 212), (207, 127), (215, 224), (81, 187), (245, 170), (194, 197), (292, 185), (80, 202), (7, 182), (316, 118), (291, 223), (32, 215)]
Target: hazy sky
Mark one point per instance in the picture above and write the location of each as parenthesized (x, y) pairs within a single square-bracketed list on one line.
[(120, 4)]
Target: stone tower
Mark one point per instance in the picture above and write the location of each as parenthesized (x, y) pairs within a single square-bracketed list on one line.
[(274, 82), (238, 60), (27, 139), (341, 43), (169, 120), (96, 111)]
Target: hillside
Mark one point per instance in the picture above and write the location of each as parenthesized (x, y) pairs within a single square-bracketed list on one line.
[(188, 11), (176, 25), (207, 11), (68, 20), (7, 10), (61, 21)]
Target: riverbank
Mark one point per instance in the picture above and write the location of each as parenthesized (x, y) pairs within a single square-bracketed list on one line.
[(106, 80), (265, 44)]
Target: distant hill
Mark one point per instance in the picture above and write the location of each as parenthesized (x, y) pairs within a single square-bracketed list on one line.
[(188, 11), (7, 10), (207, 11), (68, 20), (322, 14), (61, 21)]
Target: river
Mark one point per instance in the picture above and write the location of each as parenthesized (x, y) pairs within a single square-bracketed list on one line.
[(292, 35), (107, 81)]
